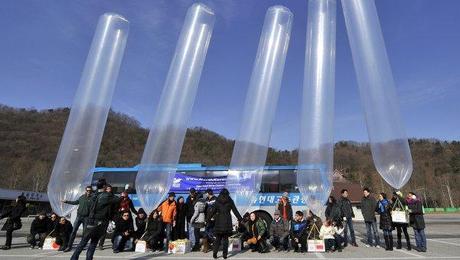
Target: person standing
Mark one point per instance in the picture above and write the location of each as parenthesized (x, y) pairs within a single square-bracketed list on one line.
[(190, 204), (384, 209), (112, 214), (223, 221), (99, 215), (209, 229), (167, 210), (285, 208), (198, 221), (348, 215), (82, 213), (279, 232), (368, 206), (332, 210), (13, 221), (417, 221), (398, 203), (181, 215)]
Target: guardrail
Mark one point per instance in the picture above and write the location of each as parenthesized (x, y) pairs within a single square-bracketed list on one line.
[(446, 210)]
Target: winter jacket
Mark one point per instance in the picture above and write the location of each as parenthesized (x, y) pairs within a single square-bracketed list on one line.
[(345, 208), (209, 208), (154, 229), (140, 224), (122, 226), (285, 210), (298, 229), (104, 202), (416, 219), (368, 205), (333, 212), (258, 228), (62, 231), (190, 203), (327, 232), (125, 203), (199, 217), (168, 211), (83, 203), (279, 228), (40, 225), (221, 214), (399, 204), (384, 209), (14, 216)]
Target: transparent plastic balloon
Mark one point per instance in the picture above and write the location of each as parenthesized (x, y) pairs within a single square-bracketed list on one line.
[(164, 144), (80, 144), (389, 144), (316, 150), (250, 152)]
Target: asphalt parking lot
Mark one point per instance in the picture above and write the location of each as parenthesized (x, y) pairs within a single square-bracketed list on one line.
[(443, 239)]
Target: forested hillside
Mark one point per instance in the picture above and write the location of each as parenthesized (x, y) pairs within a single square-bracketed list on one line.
[(29, 140)]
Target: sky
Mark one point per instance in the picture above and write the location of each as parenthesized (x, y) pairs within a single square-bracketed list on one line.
[(44, 45)]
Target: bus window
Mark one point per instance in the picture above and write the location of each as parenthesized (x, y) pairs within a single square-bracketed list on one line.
[(270, 181), (118, 180), (287, 181)]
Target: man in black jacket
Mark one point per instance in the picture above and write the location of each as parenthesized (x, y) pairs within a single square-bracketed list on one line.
[(347, 213), (368, 206), (124, 232), (190, 206), (82, 213), (39, 229), (98, 216)]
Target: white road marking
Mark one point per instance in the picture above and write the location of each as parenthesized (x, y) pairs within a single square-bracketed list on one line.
[(443, 242), (319, 255), (410, 253)]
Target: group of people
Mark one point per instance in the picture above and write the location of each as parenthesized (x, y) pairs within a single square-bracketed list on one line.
[(206, 220)]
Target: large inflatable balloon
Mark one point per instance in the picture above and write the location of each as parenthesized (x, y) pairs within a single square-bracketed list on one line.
[(164, 144), (316, 150), (250, 152), (83, 133), (389, 144)]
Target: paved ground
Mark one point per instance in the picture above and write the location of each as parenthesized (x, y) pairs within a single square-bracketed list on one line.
[(443, 234)]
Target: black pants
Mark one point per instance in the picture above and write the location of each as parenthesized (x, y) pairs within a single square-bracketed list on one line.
[(76, 225), (91, 235), (302, 242), (197, 233), (329, 243), (278, 241), (9, 237), (399, 230), (220, 238), (102, 239), (63, 241), (156, 243)]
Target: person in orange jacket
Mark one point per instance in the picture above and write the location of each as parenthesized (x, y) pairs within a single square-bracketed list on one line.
[(167, 211)]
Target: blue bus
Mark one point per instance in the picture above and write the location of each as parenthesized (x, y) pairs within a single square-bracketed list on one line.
[(275, 181)]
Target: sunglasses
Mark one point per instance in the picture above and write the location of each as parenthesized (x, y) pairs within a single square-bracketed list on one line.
[(88, 190)]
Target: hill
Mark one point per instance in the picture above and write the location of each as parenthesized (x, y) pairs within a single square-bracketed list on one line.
[(29, 141)]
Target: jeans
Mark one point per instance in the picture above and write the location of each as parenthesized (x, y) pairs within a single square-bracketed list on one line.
[(37, 236), (420, 238), (94, 235), (372, 233), (76, 225), (191, 233), (349, 226), (122, 243), (168, 227)]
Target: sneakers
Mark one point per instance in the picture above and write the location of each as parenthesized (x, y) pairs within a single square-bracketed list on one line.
[(377, 246), (32, 247), (367, 245)]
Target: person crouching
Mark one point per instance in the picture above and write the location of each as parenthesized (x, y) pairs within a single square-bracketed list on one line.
[(327, 233), (279, 232), (38, 230), (123, 234), (258, 230), (299, 232)]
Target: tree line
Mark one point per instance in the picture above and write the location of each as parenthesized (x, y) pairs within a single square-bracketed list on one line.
[(29, 141)]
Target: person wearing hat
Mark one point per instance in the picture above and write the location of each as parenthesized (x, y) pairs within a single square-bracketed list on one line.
[(285, 208), (167, 210), (398, 203), (14, 220), (190, 210), (279, 232), (417, 221)]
